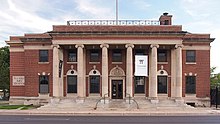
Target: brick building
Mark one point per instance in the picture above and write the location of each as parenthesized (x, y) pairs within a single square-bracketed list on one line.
[(93, 59)]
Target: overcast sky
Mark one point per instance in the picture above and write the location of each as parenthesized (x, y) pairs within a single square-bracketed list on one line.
[(37, 16)]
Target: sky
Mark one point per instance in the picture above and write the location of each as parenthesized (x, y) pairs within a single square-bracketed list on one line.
[(37, 16)]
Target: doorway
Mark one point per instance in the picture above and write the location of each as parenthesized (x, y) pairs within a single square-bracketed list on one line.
[(117, 89)]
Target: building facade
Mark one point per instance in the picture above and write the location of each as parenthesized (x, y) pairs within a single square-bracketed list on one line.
[(85, 59)]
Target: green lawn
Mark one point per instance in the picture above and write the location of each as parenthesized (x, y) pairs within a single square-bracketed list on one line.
[(21, 107)]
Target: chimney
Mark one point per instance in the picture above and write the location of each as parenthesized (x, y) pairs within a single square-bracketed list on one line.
[(165, 19)]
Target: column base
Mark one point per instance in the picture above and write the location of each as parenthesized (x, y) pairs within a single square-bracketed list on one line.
[(154, 100), (179, 100), (105, 101), (55, 100), (80, 100)]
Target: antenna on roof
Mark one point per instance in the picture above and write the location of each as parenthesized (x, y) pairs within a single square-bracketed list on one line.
[(116, 12)]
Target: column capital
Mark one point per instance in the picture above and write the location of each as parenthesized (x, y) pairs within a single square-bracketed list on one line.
[(154, 45), (55, 45), (104, 45), (129, 45), (79, 45), (179, 45)]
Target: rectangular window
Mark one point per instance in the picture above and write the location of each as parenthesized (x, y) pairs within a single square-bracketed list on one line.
[(71, 84), (190, 56), (116, 56), (190, 84), (72, 56), (162, 84), (162, 56), (94, 56), (43, 84), (139, 52), (43, 56), (139, 84), (94, 84)]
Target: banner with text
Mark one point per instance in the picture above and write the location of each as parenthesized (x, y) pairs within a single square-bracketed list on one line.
[(141, 65)]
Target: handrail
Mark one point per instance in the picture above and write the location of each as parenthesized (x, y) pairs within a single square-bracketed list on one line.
[(99, 101), (132, 99)]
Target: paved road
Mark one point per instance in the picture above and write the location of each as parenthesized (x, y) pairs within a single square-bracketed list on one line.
[(25, 119)]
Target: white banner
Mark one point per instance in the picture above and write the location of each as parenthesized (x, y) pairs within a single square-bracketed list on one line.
[(141, 65)]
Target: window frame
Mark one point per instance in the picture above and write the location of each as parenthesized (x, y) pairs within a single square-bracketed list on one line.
[(42, 57), (48, 84), (138, 78), (190, 79), (164, 59), (74, 52), (190, 58), (117, 58), (91, 89), (96, 58), (74, 91), (166, 79)]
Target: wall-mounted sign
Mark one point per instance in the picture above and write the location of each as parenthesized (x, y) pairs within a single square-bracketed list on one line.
[(18, 80), (141, 65)]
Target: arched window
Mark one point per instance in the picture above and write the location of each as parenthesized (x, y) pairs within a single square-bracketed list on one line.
[(72, 81), (94, 81), (44, 84)]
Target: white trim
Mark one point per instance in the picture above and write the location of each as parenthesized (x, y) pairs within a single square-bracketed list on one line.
[(160, 63), (190, 63), (194, 47), (142, 42), (41, 63), (38, 47), (11, 49), (94, 62), (117, 62), (71, 62), (69, 72)]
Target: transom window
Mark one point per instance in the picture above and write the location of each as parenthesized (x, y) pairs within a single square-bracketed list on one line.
[(94, 84), (190, 56), (162, 56), (43, 84), (191, 84), (94, 56), (43, 56), (116, 56), (72, 56)]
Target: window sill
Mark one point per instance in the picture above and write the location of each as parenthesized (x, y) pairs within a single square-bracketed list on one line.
[(94, 62), (190, 63), (162, 62), (71, 62), (43, 63), (190, 95), (117, 62), (94, 95)]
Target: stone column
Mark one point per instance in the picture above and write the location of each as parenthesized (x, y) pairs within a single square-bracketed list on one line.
[(104, 69), (129, 69), (153, 74), (178, 71), (56, 89), (81, 86), (173, 73)]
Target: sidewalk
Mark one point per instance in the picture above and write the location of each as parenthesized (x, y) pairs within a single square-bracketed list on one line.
[(120, 112)]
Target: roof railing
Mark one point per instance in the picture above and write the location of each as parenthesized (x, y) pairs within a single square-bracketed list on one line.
[(113, 22)]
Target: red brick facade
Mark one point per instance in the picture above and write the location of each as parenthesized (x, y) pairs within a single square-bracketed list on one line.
[(24, 55)]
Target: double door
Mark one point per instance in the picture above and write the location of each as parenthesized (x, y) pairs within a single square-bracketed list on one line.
[(117, 89)]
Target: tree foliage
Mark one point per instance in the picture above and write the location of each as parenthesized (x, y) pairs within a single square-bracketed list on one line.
[(214, 78), (4, 69)]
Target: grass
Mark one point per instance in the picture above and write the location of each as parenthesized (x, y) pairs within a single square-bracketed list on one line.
[(21, 107)]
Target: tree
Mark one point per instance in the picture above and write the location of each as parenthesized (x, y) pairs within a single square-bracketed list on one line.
[(214, 78), (4, 69)]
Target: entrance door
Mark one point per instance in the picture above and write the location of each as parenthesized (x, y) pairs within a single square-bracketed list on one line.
[(117, 89)]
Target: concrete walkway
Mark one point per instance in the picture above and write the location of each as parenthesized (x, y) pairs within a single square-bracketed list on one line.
[(69, 107)]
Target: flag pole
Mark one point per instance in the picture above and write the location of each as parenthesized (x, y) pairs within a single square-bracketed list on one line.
[(116, 12)]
